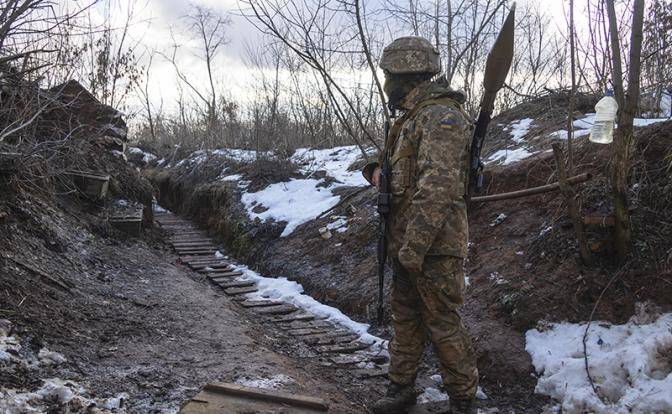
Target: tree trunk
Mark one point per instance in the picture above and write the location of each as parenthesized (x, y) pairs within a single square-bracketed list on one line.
[(624, 135)]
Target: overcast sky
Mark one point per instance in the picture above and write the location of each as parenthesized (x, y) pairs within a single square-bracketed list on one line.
[(157, 18)]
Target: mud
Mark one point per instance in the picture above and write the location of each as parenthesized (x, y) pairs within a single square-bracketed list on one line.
[(128, 320)]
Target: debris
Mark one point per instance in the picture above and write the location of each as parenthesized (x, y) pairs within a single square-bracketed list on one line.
[(325, 233), (499, 220)]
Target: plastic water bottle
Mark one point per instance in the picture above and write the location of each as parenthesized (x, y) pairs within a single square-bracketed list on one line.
[(603, 127)]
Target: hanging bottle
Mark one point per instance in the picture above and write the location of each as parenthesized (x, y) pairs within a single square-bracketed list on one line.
[(605, 115)]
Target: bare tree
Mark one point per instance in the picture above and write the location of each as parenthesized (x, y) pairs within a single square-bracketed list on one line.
[(628, 103)]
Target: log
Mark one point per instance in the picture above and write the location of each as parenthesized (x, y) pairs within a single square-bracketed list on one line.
[(532, 191)]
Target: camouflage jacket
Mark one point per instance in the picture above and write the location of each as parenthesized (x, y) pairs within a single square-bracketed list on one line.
[(428, 150)]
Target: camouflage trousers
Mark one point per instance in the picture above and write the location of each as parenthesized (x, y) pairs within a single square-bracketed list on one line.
[(425, 306)]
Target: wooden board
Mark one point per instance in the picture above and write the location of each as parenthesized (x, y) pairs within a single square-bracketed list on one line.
[(282, 309), (342, 348), (294, 317), (259, 303), (309, 331), (223, 275), (235, 283), (240, 291), (222, 398)]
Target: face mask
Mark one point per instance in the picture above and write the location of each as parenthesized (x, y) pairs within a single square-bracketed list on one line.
[(397, 87), (396, 90)]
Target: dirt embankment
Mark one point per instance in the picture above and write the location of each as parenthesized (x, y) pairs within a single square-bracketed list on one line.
[(522, 270), (126, 319)]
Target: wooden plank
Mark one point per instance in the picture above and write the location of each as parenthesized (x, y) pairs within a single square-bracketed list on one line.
[(219, 264), (193, 245), (371, 373), (235, 283), (259, 303), (239, 291), (342, 348), (268, 395), (309, 331), (202, 259), (307, 324), (283, 309), (293, 317), (336, 337), (215, 276), (350, 359), (195, 252)]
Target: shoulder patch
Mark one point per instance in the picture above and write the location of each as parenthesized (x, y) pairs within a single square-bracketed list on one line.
[(451, 121)]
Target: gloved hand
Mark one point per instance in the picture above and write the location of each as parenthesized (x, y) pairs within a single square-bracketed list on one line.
[(410, 259)]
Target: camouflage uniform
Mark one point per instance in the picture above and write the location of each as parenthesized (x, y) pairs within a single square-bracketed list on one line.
[(428, 150)]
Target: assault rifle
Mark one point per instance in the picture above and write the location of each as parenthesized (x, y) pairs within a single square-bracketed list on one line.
[(496, 70), (384, 198)]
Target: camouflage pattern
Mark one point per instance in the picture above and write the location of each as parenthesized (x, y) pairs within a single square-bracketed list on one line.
[(429, 156), (428, 150), (425, 305), (409, 55)]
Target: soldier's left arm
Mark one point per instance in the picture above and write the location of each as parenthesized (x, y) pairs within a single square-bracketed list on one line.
[(440, 151)]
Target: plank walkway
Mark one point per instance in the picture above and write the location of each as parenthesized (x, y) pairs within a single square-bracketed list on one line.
[(339, 345)]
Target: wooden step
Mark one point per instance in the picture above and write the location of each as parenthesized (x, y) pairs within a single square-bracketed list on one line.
[(223, 275), (259, 303), (309, 331), (307, 324), (235, 283), (240, 291), (282, 309), (342, 348), (218, 265), (328, 339), (305, 316)]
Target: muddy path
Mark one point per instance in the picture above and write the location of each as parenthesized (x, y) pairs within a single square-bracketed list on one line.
[(135, 322)]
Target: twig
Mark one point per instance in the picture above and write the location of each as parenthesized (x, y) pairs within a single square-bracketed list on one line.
[(585, 334)]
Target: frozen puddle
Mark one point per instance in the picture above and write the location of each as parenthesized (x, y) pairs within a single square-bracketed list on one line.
[(630, 365)]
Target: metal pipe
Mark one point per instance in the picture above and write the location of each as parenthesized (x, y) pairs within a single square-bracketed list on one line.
[(531, 191)]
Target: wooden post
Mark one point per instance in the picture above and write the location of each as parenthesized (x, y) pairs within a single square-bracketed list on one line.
[(573, 206)]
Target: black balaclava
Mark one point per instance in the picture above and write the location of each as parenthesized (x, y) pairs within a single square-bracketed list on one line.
[(397, 87)]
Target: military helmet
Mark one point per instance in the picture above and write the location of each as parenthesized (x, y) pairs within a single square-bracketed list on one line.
[(410, 55)]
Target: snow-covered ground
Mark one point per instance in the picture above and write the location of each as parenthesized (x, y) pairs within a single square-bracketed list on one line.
[(147, 157), (274, 382), (300, 200), (68, 396), (509, 156), (630, 364), (519, 129), (292, 292)]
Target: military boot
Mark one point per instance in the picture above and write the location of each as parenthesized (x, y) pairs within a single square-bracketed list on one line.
[(462, 407), (396, 400)]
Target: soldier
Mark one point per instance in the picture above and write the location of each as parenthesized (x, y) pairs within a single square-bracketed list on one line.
[(428, 154)]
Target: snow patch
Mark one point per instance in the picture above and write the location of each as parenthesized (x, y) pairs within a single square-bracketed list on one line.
[(48, 357), (272, 383), (292, 292), (630, 364), (147, 157), (509, 156), (300, 200), (295, 202), (233, 177), (519, 129)]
